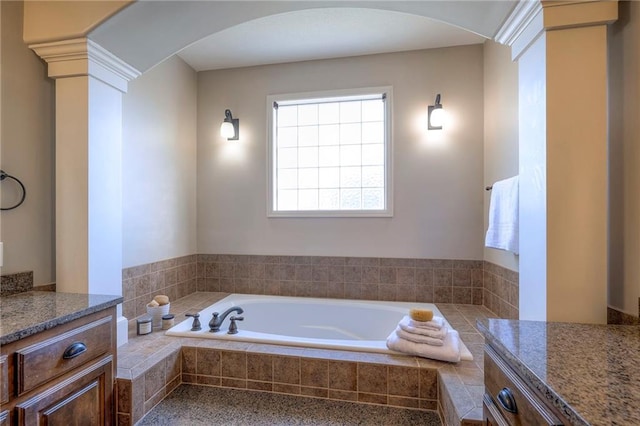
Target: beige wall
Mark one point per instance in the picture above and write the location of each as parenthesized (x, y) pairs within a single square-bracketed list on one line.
[(624, 154), (500, 131), (159, 164), (438, 187), (27, 144)]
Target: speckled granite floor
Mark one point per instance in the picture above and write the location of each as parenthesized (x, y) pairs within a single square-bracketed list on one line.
[(197, 405)]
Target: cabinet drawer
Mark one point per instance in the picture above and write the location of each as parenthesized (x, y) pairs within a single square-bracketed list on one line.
[(514, 400), (43, 361), (4, 379)]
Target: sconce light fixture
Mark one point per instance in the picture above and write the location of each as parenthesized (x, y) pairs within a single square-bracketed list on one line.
[(435, 115), (230, 127)]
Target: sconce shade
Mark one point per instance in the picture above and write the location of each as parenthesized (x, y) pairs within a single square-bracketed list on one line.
[(230, 127), (435, 116)]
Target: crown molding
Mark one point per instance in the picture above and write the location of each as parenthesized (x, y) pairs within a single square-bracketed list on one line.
[(81, 56), (517, 22)]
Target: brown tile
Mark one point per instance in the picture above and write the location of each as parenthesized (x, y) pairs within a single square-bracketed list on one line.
[(155, 399), (352, 290), (353, 274), (154, 380), (424, 277), (428, 383), (476, 278), (387, 292), (372, 398), (442, 277), (336, 274), (207, 380), (241, 270), (208, 362), (272, 272), (172, 366), (286, 370), (406, 276), (227, 382), (233, 364), (369, 291), (128, 289), (314, 392), (428, 404), (343, 375), (129, 309), (170, 277), (335, 290), (343, 395), (260, 386), (404, 381), (370, 274), (442, 294), (401, 401), (286, 388), (372, 378), (320, 273), (424, 294), (304, 273), (462, 295), (387, 275), (287, 272), (226, 270), (172, 385), (462, 277), (405, 293), (156, 282), (314, 372), (477, 298), (259, 367), (123, 396), (272, 287), (123, 420), (190, 378), (137, 392)]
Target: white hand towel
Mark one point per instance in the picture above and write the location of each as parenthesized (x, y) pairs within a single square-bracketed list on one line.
[(435, 334), (418, 338), (436, 323), (503, 216), (449, 351)]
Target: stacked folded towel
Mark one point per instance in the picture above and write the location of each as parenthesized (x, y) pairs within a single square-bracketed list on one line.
[(428, 339)]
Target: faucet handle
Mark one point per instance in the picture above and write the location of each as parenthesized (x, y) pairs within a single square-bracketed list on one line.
[(233, 328), (196, 321)]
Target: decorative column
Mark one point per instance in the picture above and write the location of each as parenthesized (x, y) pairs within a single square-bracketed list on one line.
[(561, 49), (90, 82)]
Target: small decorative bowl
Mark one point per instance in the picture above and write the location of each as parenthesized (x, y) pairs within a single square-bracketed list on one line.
[(157, 313)]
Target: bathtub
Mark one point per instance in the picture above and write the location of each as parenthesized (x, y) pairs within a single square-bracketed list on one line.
[(308, 322)]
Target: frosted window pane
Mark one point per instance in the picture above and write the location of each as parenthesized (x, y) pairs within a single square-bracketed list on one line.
[(307, 114), (308, 136), (329, 113), (308, 199), (372, 199), (329, 199), (373, 155), (308, 157), (287, 116), (373, 132), (350, 199), (329, 177), (308, 178), (373, 110), (329, 135), (288, 179), (350, 155), (350, 112), (287, 157), (288, 199), (373, 177), (350, 133), (350, 177), (329, 156), (287, 137)]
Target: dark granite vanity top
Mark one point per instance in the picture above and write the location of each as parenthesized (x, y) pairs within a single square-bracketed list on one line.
[(589, 372), (24, 314)]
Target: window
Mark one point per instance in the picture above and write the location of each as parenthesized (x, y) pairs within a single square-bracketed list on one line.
[(330, 154)]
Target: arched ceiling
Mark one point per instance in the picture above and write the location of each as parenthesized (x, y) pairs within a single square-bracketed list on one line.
[(147, 32)]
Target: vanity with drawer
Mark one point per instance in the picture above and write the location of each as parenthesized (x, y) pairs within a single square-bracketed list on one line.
[(57, 359), (543, 373)]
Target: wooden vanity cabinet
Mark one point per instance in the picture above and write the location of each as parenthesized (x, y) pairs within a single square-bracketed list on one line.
[(509, 401), (62, 376)]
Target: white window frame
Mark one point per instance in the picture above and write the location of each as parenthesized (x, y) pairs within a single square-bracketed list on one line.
[(388, 210)]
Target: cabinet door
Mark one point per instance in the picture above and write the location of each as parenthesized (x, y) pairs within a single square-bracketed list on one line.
[(4, 379), (83, 399), (491, 414)]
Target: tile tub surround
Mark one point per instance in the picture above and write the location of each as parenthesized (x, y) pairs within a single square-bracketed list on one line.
[(402, 280), (16, 283), (174, 277), (501, 290), (150, 367), (589, 372)]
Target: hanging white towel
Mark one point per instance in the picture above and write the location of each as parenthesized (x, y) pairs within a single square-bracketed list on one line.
[(503, 216), (449, 351)]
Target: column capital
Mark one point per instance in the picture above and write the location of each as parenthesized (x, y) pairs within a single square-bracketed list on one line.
[(531, 17), (81, 56)]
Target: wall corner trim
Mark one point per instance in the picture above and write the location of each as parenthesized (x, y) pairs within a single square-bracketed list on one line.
[(81, 56)]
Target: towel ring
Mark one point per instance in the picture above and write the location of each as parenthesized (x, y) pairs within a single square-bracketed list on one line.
[(4, 176)]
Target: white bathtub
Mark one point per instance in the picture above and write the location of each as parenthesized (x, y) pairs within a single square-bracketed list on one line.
[(314, 323)]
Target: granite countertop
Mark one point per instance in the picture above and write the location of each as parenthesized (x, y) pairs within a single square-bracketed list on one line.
[(24, 314), (589, 372)]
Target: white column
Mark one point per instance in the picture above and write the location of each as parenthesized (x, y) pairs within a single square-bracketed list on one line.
[(89, 87), (561, 48)]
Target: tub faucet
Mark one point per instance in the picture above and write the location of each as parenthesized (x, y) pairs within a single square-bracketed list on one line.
[(218, 319)]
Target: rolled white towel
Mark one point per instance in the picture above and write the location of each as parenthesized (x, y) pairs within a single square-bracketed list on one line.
[(436, 334), (449, 351), (419, 338)]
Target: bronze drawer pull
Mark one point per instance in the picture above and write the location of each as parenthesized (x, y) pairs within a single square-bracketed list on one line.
[(506, 399), (74, 350)]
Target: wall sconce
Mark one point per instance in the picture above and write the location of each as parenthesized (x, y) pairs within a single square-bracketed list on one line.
[(435, 115), (230, 127)]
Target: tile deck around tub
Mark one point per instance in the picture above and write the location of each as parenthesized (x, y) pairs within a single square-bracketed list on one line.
[(150, 367)]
